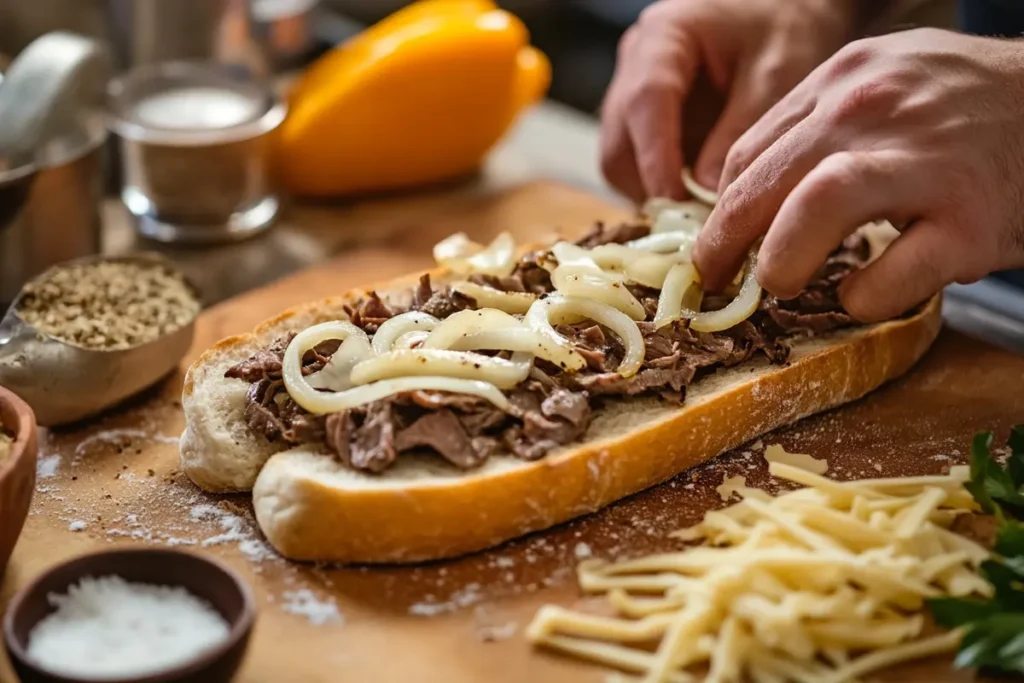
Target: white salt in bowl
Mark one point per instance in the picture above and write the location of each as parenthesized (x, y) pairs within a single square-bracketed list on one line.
[(203, 577)]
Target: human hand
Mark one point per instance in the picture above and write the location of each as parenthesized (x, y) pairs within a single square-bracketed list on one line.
[(753, 50), (922, 128)]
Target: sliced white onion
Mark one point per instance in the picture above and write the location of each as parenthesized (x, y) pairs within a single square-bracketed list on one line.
[(574, 256), (395, 327), (297, 385), (558, 309), (410, 339), (699, 192), (581, 282), (320, 403), (665, 242), (463, 256), (680, 297), (489, 297), (504, 374), (466, 322), (336, 374), (683, 219), (642, 267), (522, 339), (738, 310)]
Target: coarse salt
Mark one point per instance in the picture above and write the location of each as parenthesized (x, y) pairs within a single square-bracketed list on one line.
[(107, 627)]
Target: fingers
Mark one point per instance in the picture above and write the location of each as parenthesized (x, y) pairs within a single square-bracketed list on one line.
[(752, 93), (749, 204), (783, 116), (642, 122), (843, 192), (917, 265), (655, 115), (617, 158)]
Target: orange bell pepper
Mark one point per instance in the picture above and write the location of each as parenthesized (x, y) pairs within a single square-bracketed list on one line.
[(418, 98)]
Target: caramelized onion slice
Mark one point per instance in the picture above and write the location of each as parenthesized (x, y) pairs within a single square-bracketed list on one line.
[(467, 322), (393, 328), (325, 403), (559, 309), (463, 256), (410, 339), (522, 339), (578, 282), (699, 192), (738, 310), (680, 297), (504, 374), (336, 375), (489, 297), (665, 242)]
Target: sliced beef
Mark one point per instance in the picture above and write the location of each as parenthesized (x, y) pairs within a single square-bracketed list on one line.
[(535, 278), (506, 283), (616, 234), (442, 431), (370, 313), (441, 303), (650, 379), (798, 322), (263, 364), (371, 436)]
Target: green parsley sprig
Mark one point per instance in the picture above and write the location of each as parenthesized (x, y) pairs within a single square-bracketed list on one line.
[(994, 628)]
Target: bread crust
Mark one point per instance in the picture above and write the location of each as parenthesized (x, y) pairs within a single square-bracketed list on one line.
[(311, 508)]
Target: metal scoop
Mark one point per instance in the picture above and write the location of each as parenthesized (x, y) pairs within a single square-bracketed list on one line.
[(64, 383)]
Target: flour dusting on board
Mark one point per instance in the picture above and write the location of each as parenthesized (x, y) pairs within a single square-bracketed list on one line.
[(304, 603)]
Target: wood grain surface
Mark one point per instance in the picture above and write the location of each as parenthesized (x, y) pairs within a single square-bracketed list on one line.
[(458, 621)]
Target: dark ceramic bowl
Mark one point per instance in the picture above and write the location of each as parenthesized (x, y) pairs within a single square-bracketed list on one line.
[(17, 471), (201, 576)]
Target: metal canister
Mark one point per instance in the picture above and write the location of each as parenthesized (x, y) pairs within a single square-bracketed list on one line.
[(50, 210)]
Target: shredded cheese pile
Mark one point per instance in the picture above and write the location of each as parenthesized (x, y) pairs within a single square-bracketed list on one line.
[(823, 584)]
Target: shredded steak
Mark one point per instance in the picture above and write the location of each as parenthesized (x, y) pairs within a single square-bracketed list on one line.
[(551, 408)]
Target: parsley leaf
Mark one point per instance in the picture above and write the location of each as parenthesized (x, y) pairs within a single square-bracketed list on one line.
[(994, 628)]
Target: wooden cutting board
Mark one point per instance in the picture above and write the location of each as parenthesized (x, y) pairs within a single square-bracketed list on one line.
[(459, 621)]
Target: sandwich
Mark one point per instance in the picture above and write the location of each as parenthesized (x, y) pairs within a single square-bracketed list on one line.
[(509, 391)]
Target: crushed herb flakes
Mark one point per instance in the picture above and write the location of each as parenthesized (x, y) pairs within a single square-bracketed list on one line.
[(109, 305)]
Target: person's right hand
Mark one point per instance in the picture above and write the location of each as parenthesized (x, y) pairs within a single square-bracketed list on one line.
[(753, 50)]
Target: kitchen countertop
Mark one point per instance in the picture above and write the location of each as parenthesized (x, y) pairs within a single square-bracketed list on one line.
[(551, 142)]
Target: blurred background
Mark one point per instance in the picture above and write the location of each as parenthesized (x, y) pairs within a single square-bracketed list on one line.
[(579, 36)]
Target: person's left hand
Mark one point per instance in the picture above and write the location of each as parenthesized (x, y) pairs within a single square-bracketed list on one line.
[(923, 128)]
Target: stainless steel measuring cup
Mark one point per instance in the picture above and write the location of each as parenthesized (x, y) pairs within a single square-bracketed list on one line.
[(64, 383), (51, 157)]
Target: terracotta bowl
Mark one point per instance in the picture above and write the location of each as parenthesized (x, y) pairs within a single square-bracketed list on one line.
[(205, 578), (17, 472)]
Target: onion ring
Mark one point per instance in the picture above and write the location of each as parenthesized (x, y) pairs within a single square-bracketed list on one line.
[(738, 310), (504, 374), (462, 256), (698, 191), (580, 282), (563, 309), (336, 375), (680, 297), (489, 297), (466, 322), (393, 328)]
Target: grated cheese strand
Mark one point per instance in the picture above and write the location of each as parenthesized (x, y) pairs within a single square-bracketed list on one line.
[(823, 584)]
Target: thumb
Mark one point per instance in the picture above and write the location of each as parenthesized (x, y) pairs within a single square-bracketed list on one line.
[(749, 98)]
